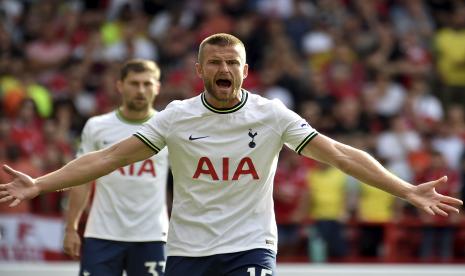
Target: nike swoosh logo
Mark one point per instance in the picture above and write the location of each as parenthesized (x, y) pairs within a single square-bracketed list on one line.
[(106, 142), (196, 138)]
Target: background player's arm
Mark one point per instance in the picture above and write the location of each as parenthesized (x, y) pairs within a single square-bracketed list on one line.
[(84, 169), (77, 201), (362, 166)]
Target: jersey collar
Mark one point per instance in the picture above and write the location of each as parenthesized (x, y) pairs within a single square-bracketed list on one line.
[(123, 119), (238, 106)]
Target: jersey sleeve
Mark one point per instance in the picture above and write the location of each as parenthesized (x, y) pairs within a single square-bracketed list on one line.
[(296, 131), (153, 133), (87, 142)]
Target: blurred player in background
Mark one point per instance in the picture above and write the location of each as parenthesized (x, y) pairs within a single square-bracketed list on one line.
[(128, 222), (224, 146)]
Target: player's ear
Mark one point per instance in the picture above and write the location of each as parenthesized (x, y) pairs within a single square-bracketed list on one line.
[(119, 86), (198, 69), (157, 87), (245, 71)]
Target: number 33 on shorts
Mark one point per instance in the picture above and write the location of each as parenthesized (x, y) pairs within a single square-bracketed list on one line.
[(152, 266)]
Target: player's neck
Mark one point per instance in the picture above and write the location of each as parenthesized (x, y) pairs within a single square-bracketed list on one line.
[(135, 116), (222, 104)]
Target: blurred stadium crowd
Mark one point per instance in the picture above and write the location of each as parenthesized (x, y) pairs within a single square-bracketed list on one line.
[(386, 76)]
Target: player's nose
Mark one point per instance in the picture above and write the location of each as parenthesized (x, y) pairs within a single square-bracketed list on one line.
[(141, 88), (224, 67)]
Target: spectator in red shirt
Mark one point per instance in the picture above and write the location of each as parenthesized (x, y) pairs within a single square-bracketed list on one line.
[(289, 200), (26, 129)]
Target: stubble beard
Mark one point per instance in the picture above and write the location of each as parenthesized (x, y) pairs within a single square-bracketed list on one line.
[(137, 107), (209, 87)]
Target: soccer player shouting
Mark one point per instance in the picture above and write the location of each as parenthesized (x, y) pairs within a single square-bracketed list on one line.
[(224, 147)]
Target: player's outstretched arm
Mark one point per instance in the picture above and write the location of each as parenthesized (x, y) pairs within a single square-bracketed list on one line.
[(362, 166), (79, 171)]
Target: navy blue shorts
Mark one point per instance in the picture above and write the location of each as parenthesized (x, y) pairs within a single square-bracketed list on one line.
[(255, 262), (109, 258)]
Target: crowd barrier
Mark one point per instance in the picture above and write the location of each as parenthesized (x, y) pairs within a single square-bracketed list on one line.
[(71, 269)]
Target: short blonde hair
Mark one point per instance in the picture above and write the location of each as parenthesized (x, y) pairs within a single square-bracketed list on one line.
[(220, 39)]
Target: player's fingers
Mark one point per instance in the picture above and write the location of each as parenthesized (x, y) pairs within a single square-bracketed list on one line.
[(4, 193), (434, 183), (450, 200), (9, 170), (15, 202), (66, 247), (76, 250), (448, 208), (428, 210), (3, 187), (439, 211), (6, 198), (441, 180), (71, 250)]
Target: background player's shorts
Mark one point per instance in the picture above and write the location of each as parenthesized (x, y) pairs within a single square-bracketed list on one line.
[(109, 258), (256, 262)]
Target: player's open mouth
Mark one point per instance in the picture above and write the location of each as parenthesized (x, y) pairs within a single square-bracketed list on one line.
[(223, 83)]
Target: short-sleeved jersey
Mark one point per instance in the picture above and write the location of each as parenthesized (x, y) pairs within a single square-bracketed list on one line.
[(130, 203), (223, 163)]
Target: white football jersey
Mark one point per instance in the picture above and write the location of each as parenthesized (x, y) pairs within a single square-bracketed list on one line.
[(223, 163), (129, 203)]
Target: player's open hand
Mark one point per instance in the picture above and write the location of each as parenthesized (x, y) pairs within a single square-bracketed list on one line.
[(425, 197), (21, 188)]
